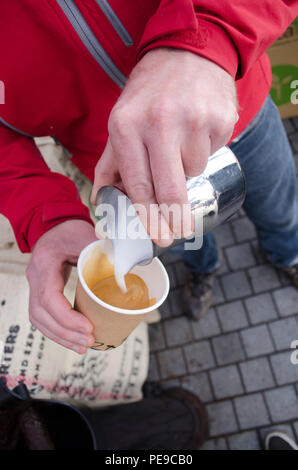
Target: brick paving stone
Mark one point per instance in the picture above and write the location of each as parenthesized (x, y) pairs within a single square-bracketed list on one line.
[(289, 126), (224, 235), (222, 418), (257, 374), (228, 348), (284, 332), (294, 141), (176, 303), (215, 444), (248, 440), (286, 300), (170, 257), (244, 229), (156, 337), (263, 278), (295, 122), (206, 326), (223, 265), (257, 341), (236, 285), (171, 273), (177, 331), (171, 363), (153, 374), (226, 382), (165, 309), (199, 356), (260, 308), (285, 372), (172, 383), (282, 403), (240, 256), (232, 316), (218, 296), (199, 385), (251, 411)]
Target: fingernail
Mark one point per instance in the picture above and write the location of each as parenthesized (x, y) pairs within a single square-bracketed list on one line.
[(77, 349)]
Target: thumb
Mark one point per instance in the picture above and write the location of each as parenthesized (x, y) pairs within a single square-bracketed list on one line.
[(105, 173)]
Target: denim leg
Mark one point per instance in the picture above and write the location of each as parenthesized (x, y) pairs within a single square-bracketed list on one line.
[(271, 203), (203, 260)]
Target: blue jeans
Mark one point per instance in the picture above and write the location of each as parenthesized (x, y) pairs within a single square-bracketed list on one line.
[(271, 204)]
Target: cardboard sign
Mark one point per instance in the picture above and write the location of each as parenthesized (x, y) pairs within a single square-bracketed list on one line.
[(283, 56)]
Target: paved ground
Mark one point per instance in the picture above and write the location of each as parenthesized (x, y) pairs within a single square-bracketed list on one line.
[(236, 359)]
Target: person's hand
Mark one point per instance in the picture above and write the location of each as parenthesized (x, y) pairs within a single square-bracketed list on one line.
[(50, 265), (176, 110)]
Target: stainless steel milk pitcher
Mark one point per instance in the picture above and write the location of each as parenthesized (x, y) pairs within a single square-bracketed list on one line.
[(214, 196)]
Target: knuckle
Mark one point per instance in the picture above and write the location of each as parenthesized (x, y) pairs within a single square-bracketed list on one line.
[(199, 116), (44, 298), (160, 112), (120, 121), (170, 195), (224, 120), (143, 191), (62, 333), (196, 167)]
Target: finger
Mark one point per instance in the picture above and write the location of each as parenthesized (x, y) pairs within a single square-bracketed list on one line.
[(106, 172), (170, 186), (195, 153), (67, 344), (49, 294), (137, 181), (49, 326), (222, 128), (155, 224)]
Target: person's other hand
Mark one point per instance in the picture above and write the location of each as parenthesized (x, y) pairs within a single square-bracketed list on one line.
[(176, 110), (49, 268)]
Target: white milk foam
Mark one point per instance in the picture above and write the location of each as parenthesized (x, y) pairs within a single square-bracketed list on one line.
[(124, 255), (128, 253), (108, 249), (125, 252)]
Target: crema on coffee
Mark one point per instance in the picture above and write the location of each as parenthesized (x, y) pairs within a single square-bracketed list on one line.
[(99, 276)]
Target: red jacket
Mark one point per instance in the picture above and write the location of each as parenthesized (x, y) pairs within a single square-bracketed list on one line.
[(63, 64)]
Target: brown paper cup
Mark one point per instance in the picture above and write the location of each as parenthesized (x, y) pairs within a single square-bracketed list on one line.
[(112, 325)]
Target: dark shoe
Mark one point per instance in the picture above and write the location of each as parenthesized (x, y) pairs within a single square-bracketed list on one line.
[(279, 441), (292, 273), (197, 294)]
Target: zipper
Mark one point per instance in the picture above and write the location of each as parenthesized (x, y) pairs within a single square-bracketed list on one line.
[(11, 127), (115, 22), (86, 35)]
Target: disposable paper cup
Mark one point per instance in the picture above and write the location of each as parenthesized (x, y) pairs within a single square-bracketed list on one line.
[(112, 325)]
